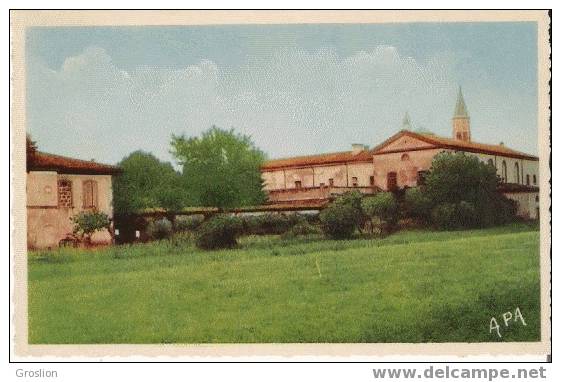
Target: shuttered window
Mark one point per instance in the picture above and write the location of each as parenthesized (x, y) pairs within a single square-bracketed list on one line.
[(89, 194)]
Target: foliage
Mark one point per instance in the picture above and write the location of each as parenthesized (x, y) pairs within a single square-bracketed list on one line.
[(147, 182), (417, 204), (188, 223), (220, 169), (339, 220), (302, 228), (86, 223), (270, 223), (463, 184), (383, 208), (159, 229), (413, 286), (30, 149), (220, 231)]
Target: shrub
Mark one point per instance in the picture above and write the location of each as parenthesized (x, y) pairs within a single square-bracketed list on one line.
[(417, 204), (86, 223), (443, 216), (159, 229), (339, 220), (455, 215), (301, 229), (382, 209), (270, 223), (221, 231), (188, 223)]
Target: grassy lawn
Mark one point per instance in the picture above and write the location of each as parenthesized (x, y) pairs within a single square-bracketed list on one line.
[(413, 286)]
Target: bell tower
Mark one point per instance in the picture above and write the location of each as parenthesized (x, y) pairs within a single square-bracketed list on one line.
[(460, 120)]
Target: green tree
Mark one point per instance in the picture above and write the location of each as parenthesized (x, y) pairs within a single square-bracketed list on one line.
[(147, 182), (467, 186), (221, 168)]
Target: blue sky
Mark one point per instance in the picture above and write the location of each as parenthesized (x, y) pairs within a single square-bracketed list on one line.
[(101, 93)]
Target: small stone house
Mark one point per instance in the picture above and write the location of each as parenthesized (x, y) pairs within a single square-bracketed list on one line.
[(58, 188)]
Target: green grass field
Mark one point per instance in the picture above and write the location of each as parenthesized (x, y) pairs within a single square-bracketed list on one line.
[(413, 286)]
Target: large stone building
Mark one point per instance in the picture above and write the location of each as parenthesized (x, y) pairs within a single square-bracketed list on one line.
[(400, 161), (59, 188)]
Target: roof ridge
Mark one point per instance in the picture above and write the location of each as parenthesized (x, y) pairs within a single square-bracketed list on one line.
[(75, 159)]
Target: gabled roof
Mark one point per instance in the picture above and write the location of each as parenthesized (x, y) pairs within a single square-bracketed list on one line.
[(50, 162), (309, 160), (454, 144)]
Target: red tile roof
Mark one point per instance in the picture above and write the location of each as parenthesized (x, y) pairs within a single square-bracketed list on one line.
[(366, 155), (309, 160), (455, 144), (64, 165)]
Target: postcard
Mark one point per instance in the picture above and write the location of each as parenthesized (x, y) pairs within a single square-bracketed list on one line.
[(280, 183)]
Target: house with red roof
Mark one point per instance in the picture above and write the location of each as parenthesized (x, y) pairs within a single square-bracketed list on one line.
[(400, 161), (58, 188)]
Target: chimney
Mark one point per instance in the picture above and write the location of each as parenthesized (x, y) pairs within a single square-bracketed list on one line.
[(358, 148)]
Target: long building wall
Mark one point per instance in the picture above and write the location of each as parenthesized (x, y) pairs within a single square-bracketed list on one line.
[(342, 175)]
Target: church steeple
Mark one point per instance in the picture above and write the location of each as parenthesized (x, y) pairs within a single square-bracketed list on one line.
[(406, 124), (460, 120)]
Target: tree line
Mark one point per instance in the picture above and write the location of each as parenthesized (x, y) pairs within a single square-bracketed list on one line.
[(221, 168)]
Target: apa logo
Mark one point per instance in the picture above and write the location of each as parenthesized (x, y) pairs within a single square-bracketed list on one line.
[(494, 325)]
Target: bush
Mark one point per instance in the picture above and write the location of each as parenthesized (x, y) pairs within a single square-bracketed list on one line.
[(270, 223), (455, 216), (188, 223), (301, 229), (383, 209), (339, 220), (159, 229), (417, 204), (86, 223), (221, 231), (444, 216)]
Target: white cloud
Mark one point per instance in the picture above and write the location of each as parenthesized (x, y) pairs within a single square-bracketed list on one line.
[(294, 102)]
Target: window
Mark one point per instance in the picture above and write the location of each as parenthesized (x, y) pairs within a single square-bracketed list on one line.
[(458, 136), (421, 176), (355, 181), (64, 193), (331, 182), (405, 157), (527, 179), (503, 172), (371, 180), (89, 194), (517, 172), (490, 162), (535, 179), (392, 181), (537, 198), (298, 184), (321, 185)]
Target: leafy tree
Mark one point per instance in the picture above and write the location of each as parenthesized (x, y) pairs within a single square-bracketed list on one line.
[(86, 223), (147, 182), (221, 168), (466, 186)]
